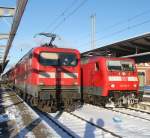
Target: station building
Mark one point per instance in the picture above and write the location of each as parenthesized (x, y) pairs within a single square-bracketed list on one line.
[(144, 69)]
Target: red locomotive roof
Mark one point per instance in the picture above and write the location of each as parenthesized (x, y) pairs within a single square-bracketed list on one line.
[(44, 48), (110, 58)]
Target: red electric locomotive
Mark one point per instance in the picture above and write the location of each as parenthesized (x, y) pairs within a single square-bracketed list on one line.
[(49, 77), (109, 81)]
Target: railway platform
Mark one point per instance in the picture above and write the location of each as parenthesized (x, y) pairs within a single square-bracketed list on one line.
[(17, 119)]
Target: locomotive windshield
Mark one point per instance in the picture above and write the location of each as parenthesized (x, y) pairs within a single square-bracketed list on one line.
[(120, 65), (57, 59)]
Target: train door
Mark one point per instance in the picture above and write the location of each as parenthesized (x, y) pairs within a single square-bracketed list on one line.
[(95, 79), (88, 78)]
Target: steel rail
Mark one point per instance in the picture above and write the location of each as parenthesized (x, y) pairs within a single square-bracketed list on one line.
[(138, 110), (129, 114), (108, 131), (39, 112)]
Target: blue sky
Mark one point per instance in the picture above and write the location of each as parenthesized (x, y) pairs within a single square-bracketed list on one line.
[(112, 16)]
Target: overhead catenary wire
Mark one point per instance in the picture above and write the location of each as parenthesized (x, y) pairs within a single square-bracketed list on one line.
[(127, 20), (122, 22), (62, 14), (125, 29), (120, 31), (69, 15)]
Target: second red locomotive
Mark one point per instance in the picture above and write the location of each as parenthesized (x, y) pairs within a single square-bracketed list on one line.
[(109, 81)]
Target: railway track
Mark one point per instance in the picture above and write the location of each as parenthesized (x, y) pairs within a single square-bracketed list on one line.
[(75, 126), (97, 126), (142, 106), (131, 112), (54, 122), (138, 110)]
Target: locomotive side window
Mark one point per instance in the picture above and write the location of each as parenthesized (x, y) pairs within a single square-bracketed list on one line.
[(96, 66), (57, 59)]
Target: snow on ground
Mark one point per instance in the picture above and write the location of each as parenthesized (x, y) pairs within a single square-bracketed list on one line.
[(79, 128), (123, 125), (147, 96), (145, 103), (14, 113), (50, 127), (135, 113)]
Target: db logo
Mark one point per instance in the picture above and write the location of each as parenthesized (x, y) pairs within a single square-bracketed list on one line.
[(124, 78)]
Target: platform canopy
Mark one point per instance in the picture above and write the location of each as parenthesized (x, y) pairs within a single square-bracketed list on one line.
[(16, 14), (4, 36), (7, 12), (137, 48)]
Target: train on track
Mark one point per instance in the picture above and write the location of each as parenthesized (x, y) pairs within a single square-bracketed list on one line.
[(48, 77), (53, 78), (109, 81)]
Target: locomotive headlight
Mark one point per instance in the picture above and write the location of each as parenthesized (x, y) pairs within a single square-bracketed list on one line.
[(112, 85), (135, 85), (75, 83), (41, 83)]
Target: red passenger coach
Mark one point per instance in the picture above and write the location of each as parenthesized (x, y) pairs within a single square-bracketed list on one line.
[(109, 80), (49, 77)]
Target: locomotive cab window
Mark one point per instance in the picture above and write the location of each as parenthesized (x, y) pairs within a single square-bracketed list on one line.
[(48, 58), (127, 66), (120, 65), (57, 59)]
